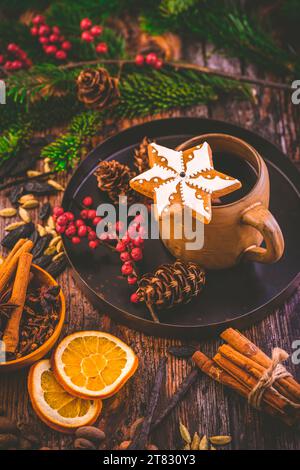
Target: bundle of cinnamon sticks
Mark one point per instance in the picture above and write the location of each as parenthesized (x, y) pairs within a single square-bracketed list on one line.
[(243, 367), (15, 270)]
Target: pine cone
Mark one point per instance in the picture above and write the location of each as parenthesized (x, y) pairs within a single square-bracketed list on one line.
[(97, 89), (141, 160), (171, 284), (113, 177)]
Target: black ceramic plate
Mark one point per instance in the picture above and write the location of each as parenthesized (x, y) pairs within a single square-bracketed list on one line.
[(235, 297)]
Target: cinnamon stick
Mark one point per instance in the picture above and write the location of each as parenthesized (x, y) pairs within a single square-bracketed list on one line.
[(250, 350), (250, 366), (210, 368), (18, 296), (270, 397), (11, 255), (10, 265)]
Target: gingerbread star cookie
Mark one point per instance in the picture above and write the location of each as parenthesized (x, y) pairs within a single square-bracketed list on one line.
[(187, 178)]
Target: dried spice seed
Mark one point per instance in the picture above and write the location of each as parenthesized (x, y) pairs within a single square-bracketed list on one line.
[(57, 267), (8, 212), (84, 444), (195, 442), (58, 256), (50, 250), (187, 447), (184, 432), (204, 443), (55, 240), (24, 215), (60, 247), (43, 261), (42, 231), (35, 236), (182, 352), (45, 211), (90, 433), (39, 188), (220, 440), (40, 246), (15, 194), (56, 185), (50, 222), (25, 198), (12, 226), (31, 204), (12, 237), (33, 173)]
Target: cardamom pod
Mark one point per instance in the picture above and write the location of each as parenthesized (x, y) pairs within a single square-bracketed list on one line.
[(56, 185), (50, 250), (47, 167), (31, 204), (41, 230), (195, 442), (51, 231), (204, 443), (60, 247), (220, 440), (32, 173), (58, 256), (50, 222), (184, 432), (187, 447), (55, 240), (8, 212), (25, 198), (14, 225), (24, 215)]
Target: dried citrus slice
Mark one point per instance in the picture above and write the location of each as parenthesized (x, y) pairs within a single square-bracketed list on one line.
[(56, 407), (93, 364)]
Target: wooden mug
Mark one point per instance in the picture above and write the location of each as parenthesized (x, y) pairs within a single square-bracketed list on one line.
[(236, 230)]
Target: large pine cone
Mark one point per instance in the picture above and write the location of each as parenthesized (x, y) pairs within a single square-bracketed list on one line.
[(97, 89), (113, 177), (171, 284)]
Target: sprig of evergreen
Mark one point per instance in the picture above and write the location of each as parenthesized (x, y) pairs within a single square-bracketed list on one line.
[(66, 151), (13, 141)]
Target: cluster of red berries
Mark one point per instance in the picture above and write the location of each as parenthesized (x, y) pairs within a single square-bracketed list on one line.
[(17, 59), (130, 247), (150, 59), (90, 32), (50, 38), (78, 229)]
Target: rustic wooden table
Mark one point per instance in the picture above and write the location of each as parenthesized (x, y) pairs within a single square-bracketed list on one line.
[(207, 408)]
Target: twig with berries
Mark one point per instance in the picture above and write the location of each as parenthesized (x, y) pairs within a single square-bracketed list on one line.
[(50, 38)]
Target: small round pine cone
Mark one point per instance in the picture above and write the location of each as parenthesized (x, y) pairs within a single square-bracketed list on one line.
[(113, 178), (171, 284), (97, 89), (141, 159)]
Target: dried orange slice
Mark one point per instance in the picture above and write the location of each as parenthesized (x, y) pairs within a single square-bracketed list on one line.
[(56, 407), (93, 364)]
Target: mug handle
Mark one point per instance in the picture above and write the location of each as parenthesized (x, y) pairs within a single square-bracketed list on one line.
[(260, 218)]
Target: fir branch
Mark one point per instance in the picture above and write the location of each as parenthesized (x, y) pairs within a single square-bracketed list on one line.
[(175, 7), (65, 151), (13, 141)]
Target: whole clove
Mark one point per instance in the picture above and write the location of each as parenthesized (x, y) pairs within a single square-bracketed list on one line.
[(45, 211), (15, 235), (142, 437)]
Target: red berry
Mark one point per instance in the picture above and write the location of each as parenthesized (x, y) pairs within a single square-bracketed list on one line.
[(71, 230), (58, 211), (85, 23), (7, 65), (132, 280), (38, 19), (79, 222), (92, 235), (62, 220), (84, 214), (102, 48), (16, 65), (55, 30), (96, 30), (44, 30), (86, 36), (70, 216), (125, 256), (50, 49), (54, 37), (43, 40), (91, 214), (76, 240), (87, 201), (136, 254), (139, 60), (82, 231), (1, 59), (139, 241), (127, 268), (12, 47), (104, 236), (89, 229), (120, 247), (158, 64), (66, 45), (134, 298), (96, 220), (151, 58), (34, 31), (126, 239), (61, 55), (93, 244), (60, 228)]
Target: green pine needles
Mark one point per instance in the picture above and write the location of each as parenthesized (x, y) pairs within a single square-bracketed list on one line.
[(12, 141)]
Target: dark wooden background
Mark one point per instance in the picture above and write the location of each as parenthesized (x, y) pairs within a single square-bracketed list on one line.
[(207, 408)]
